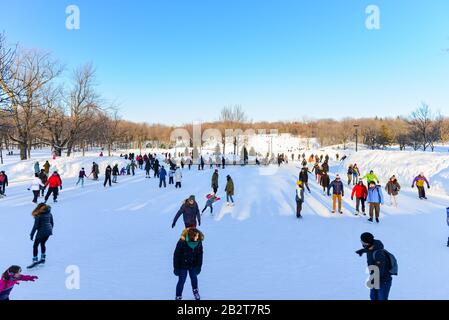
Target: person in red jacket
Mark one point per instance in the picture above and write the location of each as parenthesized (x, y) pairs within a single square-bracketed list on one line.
[(53, 183), (361, 193)]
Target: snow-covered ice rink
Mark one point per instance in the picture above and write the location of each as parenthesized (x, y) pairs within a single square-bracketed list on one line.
[(122, 241)]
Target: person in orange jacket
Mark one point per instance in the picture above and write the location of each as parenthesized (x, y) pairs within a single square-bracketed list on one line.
[(54, 183)]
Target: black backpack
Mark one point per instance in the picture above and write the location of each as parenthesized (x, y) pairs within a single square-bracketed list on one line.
[(392, 261)]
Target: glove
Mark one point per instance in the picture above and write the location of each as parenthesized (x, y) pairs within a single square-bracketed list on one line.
[(428, 187), (352, 198), (60, 188), (28, 189), (176, 272), (33, 278), (31, 237), (413, 186), (173, 225), (360, 252), (197, 271)]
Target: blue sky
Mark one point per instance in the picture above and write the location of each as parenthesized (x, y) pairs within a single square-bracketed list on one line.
[(175, 61)]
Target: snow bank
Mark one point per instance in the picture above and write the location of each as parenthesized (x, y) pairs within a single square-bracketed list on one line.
[(405, 165)]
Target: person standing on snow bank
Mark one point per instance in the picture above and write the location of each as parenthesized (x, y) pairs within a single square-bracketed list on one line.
[(46, 167), (299, 198), (81, 176), (36, 186), (178, 177), (370, 177), (229, 189), (10, 278), (375, 199), (37, 168), (190, 213), (393, 187), (337, 193), (214, 183), (188, 259), (382, 266), (361, 193), (419, 181), (211, 199), (43, 225), (54, 183)]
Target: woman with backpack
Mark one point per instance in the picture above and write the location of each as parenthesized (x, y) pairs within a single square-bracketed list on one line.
[(188, 259), (43, 225), (393, 187), (10, 278)]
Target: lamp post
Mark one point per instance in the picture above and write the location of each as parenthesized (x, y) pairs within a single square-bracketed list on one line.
[(356, 126)]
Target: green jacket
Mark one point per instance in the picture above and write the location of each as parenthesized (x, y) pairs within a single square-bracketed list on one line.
[(215, 180), (230, 188), (370, 177)]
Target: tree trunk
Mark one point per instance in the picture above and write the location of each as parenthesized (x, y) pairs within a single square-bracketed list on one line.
[(69, 148), (23, 151)]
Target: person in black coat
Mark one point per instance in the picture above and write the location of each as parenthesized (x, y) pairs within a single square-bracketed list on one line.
[(43, 225), (44, 179), (188, 259), (190, 213), (376, 257), (115, 173), (304, 177), (107, 175)]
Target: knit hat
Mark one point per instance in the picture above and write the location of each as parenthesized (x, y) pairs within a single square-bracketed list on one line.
[(367, 238), (192, 197)]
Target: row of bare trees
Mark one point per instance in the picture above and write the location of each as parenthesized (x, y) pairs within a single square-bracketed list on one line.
[(40, 107)]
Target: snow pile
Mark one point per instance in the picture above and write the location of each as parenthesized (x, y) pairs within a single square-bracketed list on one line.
[(405, 165)]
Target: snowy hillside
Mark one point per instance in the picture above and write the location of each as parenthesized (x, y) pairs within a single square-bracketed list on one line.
[(122, 241)]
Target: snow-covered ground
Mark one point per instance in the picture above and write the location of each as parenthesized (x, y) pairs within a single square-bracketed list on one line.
[(122, 241)]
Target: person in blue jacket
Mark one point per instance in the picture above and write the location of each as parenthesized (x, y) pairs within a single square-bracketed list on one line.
[(162, 179), (375, 199)]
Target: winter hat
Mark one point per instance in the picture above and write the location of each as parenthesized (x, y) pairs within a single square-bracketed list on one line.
[(367, 238), (192, 197), (337, 176)]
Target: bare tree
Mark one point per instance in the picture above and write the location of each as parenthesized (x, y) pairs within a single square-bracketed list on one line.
[(420, 124)]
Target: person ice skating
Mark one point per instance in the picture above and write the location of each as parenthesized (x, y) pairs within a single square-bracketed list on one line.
[(419, 181), (133, 167), (304, 177), (325, 167), (370, 177), (156, 167), (81, 176), (355, 174), (43, 177), (37, 168), (3, 183), (337, 193), (35, 187), (393, 187), (10, 278), (214, 182), (350, 173), (178, 177), (115, 173), (325, 181), (189, 161), (375, 199), (202, 163), (211, 199), (379, 263), (190, 213), (101, 153), (211, 162), (54, 183), (46, 167), (147, 169), (361, 193), (123, 171), (43, 225), (95, 171), (299, 197), (229, 190), (171, 175), (107, 176), (162, 178), (188, 259), (223, 162)]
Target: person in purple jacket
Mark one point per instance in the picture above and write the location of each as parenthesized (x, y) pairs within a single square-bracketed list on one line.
[(419, 181), (81, 177), (10, 278)]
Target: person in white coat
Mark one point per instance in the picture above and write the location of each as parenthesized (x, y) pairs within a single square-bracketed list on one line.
[(36, 186), (178, 177)]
